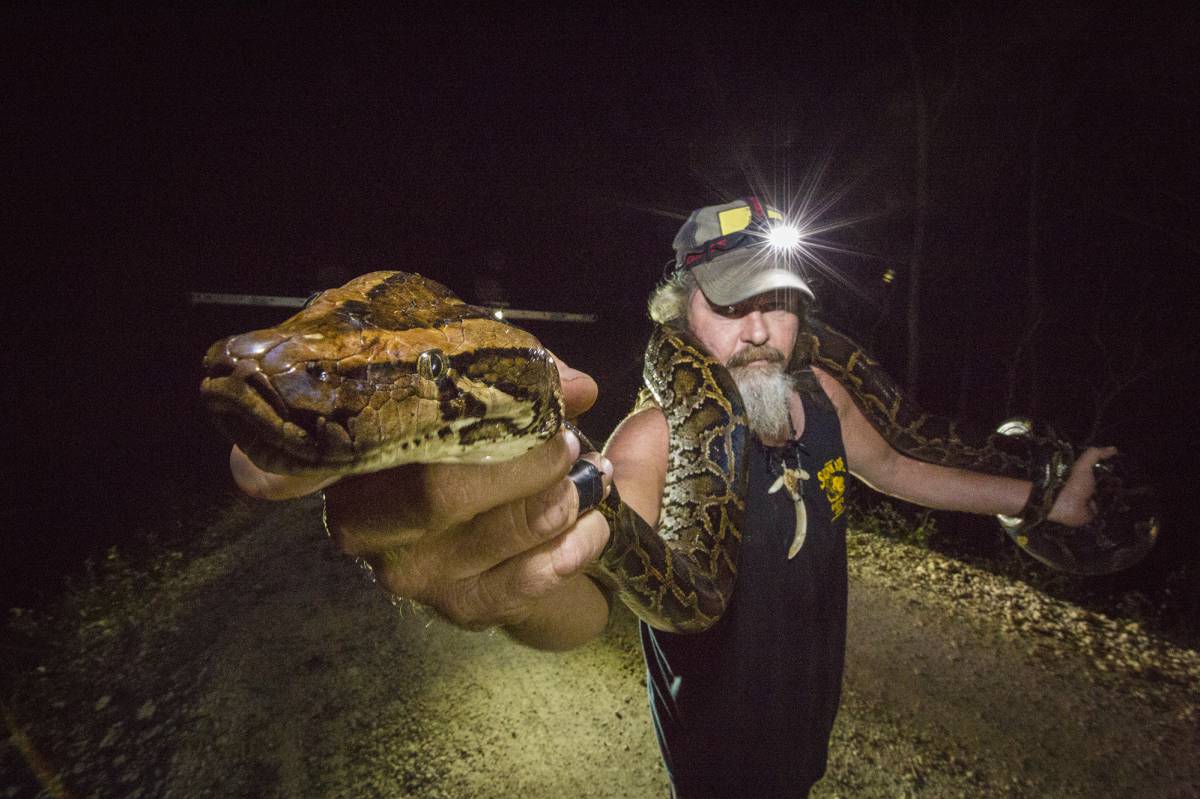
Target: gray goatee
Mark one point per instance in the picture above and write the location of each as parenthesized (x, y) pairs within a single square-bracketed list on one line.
[(765, 389)]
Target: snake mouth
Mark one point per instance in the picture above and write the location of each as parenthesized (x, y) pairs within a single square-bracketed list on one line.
[(233, 376), (244, 412), (247, 407)]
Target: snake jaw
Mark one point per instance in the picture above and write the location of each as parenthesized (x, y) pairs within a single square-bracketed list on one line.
[(331, 422)]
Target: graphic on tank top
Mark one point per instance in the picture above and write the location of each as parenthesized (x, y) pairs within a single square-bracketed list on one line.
[(832, 479)]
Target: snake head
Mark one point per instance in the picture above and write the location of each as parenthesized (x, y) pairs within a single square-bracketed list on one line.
[(389, 369)]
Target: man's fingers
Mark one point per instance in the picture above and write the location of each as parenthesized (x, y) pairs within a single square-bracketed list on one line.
[(570, 553), (506, 594), (1093, 455), (267, 485), (397, 506), (1076, 503), (508, 530), (403, 571), (579, 389), (545, 532)]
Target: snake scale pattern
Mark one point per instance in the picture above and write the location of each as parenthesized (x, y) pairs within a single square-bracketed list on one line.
[(392, 368), (681, 575)]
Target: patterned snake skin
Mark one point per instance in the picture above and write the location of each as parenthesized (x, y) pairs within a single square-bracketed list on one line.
[(680, 577)]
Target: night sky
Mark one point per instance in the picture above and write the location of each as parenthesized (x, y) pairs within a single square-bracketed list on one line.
[(279, 152)]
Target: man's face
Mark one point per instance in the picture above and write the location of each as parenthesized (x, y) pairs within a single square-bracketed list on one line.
[(756, 332)]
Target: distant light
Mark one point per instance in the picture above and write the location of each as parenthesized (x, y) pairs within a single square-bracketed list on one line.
[(784, 237), (889, 275), (498, 314)]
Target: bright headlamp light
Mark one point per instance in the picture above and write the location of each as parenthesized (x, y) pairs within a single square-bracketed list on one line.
[(783, 237)]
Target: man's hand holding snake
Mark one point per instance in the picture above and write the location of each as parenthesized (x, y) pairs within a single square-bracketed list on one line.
[(1074, 505), (483, 544)]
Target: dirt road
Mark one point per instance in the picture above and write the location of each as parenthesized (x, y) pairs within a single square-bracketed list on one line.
[(269, 667)]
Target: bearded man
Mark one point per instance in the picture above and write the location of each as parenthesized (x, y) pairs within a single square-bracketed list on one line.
[(745, 706)]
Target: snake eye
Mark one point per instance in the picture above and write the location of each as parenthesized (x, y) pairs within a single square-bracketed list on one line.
[(432, 365)]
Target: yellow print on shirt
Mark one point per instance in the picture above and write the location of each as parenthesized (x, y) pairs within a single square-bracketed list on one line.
[(832, 479)]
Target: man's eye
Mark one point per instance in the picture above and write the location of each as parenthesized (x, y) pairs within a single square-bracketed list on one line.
[(745, 307), (763, 303), (731, 311)]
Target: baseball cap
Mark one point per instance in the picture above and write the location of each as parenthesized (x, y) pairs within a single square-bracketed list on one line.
[(725, 247)]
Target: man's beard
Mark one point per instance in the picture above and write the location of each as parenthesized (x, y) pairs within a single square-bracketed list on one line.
[(765, 389)]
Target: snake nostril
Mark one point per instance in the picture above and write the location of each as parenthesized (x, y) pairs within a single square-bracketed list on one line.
[(219, 367)]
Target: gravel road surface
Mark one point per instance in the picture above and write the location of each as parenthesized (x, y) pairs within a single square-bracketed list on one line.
[(266, 666)]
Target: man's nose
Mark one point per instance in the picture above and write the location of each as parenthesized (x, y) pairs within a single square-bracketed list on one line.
[(754, 328)]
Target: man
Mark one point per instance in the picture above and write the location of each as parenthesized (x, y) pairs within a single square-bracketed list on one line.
[(745, 707)]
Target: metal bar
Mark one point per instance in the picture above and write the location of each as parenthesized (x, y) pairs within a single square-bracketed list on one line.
[(548, 316), (212, 298), (208, 298)]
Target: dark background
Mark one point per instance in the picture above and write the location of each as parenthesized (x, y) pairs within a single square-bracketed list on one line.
[(278, 152)]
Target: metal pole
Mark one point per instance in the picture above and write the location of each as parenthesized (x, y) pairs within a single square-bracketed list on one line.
[(213, 298)]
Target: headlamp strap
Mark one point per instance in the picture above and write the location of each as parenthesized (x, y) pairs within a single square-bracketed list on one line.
[(757, 212)]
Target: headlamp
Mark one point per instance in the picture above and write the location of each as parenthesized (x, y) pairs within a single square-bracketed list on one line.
[(747, 223), (783, 237), (759, 224)]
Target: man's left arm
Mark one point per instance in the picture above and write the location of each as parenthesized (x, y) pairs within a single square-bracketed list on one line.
[(870, 458)]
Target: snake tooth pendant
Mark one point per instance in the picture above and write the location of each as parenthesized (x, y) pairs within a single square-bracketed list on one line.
[(790, 479)]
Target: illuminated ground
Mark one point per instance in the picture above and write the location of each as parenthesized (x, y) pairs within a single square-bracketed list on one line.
[(267, 667)]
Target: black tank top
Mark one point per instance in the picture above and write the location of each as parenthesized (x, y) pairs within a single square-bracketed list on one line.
[(746, 707)]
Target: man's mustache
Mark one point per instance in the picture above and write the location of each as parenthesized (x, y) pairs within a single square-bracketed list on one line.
[(752, 354)]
